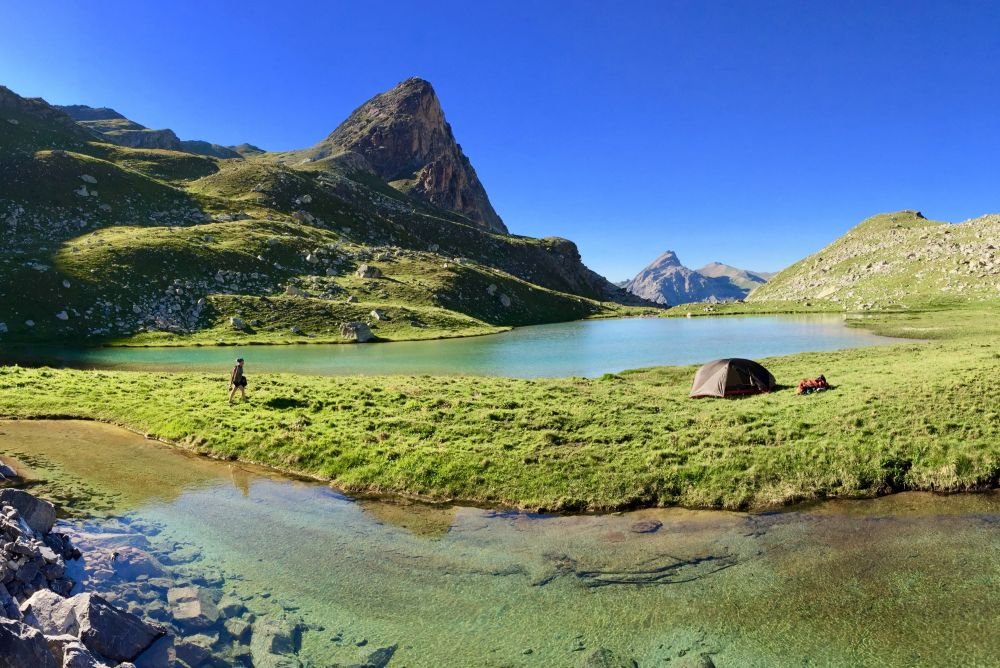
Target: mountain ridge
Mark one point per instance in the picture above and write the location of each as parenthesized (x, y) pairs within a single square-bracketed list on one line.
[(896, 258), (136, 245)]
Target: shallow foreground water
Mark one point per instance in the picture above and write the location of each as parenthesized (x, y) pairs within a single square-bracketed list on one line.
[(911, 579), (581, 348)]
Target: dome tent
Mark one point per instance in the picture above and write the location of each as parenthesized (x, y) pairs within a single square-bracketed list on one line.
[(731, 377)]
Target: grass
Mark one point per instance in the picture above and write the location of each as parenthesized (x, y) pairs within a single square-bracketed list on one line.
[(910, 416)]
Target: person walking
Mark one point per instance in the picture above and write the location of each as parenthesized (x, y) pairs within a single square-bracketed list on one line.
[(238, 381)]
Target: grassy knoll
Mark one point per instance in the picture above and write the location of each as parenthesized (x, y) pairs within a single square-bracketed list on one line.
[(910, 416)]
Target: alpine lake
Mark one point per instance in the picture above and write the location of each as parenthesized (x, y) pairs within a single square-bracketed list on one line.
[(287, 565)]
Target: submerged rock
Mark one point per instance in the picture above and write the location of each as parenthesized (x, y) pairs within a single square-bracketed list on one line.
[(603, 657)]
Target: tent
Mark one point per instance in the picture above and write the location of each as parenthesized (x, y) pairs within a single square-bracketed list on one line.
[(731, 377)]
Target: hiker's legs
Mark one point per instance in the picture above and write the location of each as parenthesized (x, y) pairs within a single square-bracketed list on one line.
[(232, 393)]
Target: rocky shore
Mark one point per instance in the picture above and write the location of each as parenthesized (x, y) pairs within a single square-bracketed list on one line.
[(106, 593)]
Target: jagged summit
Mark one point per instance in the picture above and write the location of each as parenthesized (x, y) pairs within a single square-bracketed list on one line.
[(403, 137)]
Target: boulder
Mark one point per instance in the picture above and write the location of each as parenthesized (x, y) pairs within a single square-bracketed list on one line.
[(356, 331), (40, 515), (51, 613), (111, 632), (368, 271), (21, 646), (351, 299), (505, 301), (237, 323), (379, 314), (7, 471)]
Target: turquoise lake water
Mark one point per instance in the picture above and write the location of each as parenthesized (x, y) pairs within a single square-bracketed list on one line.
[(583, 348)]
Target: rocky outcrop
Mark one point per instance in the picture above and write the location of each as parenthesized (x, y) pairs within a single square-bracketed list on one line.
[(39, 626), (403, 137), (667, 281)]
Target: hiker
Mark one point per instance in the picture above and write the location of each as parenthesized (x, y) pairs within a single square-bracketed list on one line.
[(238, 381), (810, 385)]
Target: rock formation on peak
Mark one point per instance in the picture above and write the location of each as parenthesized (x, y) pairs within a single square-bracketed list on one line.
[(404, 139), (667, 281)]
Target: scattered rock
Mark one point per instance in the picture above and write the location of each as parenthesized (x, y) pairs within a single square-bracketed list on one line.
[(87, 178), (352, 299), (379, 314), (3, 328), (111, 632), (237, 323), (296, 330), (293, 291), (62, 315), (505, 301)]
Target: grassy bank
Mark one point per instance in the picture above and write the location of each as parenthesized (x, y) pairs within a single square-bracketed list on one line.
[(908, 416)]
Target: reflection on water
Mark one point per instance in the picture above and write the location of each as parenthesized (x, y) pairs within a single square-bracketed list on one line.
[(583, 348), (910, 579)]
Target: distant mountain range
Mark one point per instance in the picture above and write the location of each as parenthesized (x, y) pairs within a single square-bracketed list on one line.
[(667, 281)]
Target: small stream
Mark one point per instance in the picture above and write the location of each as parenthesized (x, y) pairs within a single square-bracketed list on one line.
[(910, 579)]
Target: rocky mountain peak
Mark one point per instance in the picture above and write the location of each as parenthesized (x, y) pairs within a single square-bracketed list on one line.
[(404, 139), (667, 259), (666, 281)]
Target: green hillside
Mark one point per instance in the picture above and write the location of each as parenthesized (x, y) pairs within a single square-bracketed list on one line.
[(105, 243), (896, 258)]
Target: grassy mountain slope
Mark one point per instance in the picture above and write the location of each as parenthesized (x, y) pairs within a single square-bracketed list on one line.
[(896, 258), (135, 245)]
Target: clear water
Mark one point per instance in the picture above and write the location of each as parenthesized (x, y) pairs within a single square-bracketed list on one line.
[(583, 348), (911, 579)]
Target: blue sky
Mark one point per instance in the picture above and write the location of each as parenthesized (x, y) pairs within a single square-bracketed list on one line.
[(747, 132)]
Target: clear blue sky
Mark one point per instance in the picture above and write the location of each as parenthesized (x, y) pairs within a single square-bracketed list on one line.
[(747, 132)]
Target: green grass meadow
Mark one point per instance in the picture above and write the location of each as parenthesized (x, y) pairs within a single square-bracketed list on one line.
[(921, 415)]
